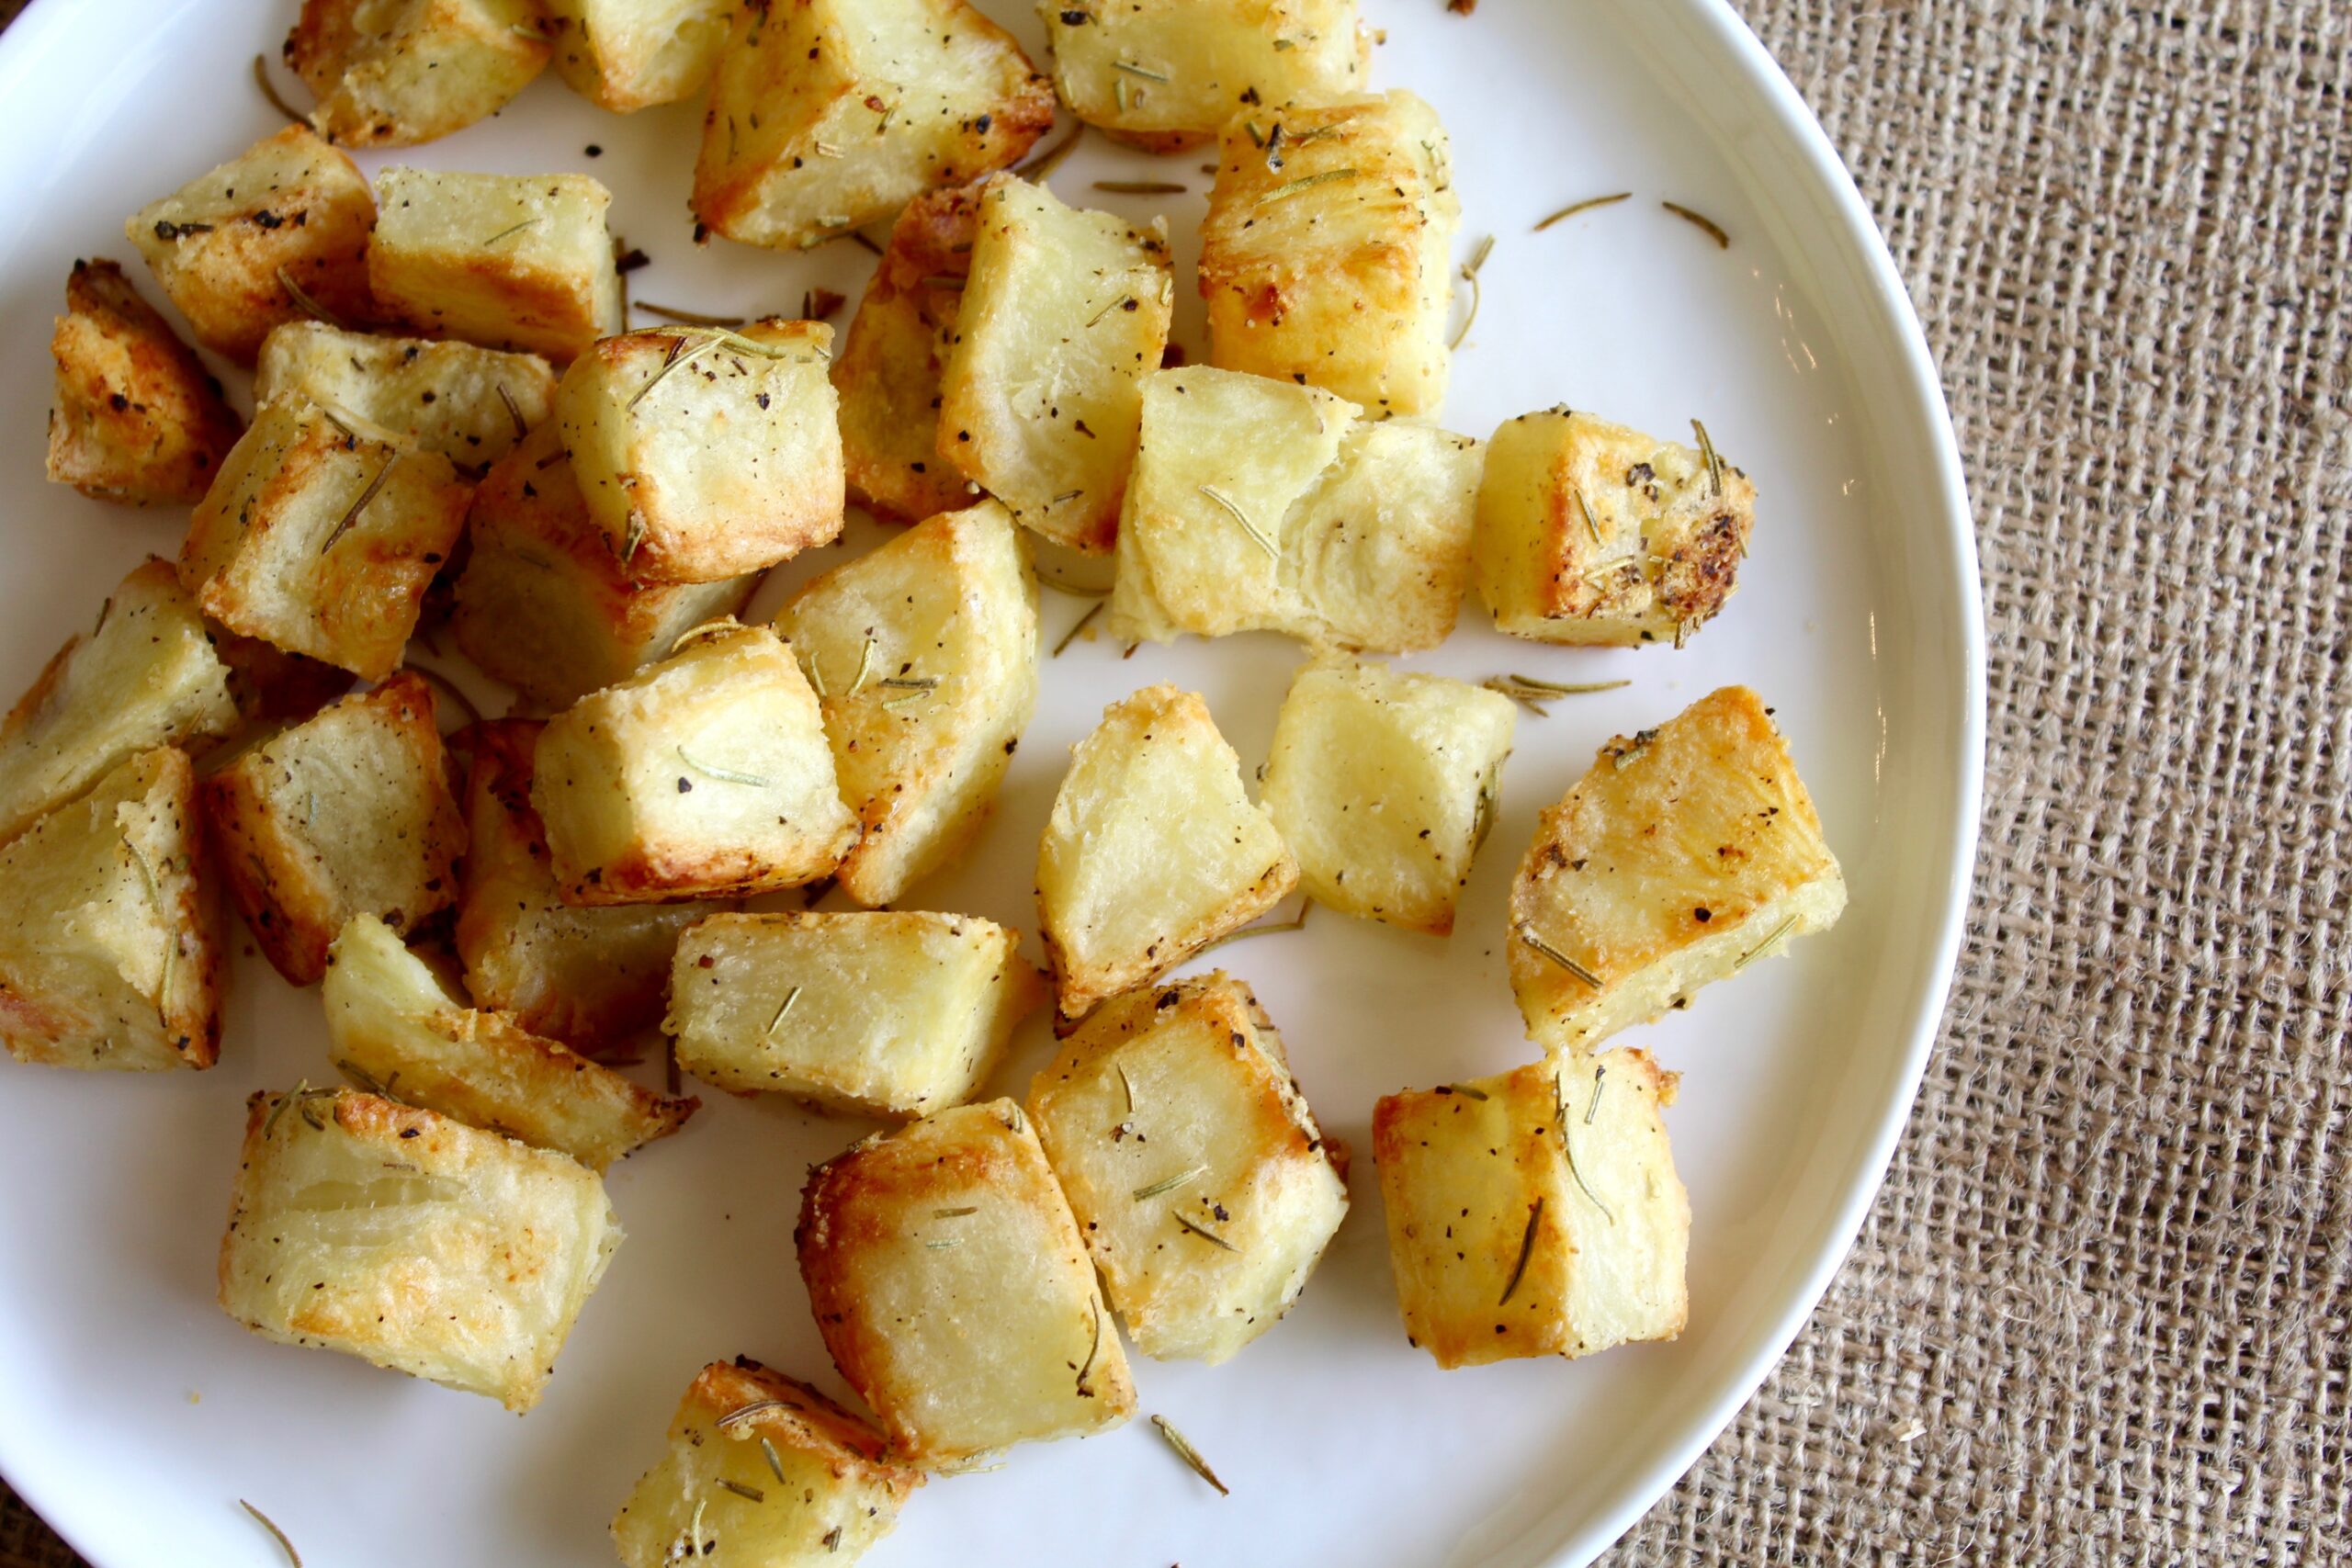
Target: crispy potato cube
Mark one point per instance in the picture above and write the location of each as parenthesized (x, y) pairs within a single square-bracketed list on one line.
[(276, 232), (1384, 785), (876, 1014), (390, 1022), (625, 55), (705, 774), (1065, 314), (321, 535), (588, 977), (469, 404), (110, 953), (1260, 505), (1168, 74), (138, 416), (888, 371), (347, 814), (924, 658), (762, 1471), (952, 1287), (1204, 1189), (1153, 850), (1687, 851), (704, 454), (1335, 267), (146, 676), (826, 115), (411, 1241), (395, 73), (508, 261), (1592, 533), (1535, 1212)]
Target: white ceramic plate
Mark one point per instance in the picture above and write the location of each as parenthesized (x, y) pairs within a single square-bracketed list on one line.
[(133, 1414)]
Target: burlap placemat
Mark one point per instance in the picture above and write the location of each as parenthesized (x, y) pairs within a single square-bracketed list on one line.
[(2098, 1313)]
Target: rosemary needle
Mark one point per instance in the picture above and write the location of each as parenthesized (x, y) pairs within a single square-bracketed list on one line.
[(1071, 636), (790, 997), (1715, 229), (1526, 1250), (360, 505), (775, 1461), (1470, 275), (1527, 934), (271, 1526), (1712, 458), (1205, 1234), (269, 90), (302, 300), (1257, 534), (1046, 162), (1190, 1455), (1091, 1351), (728, 774), (1142, 188), (752, 1492), (512, 412), (1761, 948), (1585, 206), (1182, 1179)]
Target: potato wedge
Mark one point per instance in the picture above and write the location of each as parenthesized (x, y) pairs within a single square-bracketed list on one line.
[(625, 55), (1165, 75), (471, 405), (395, 73), (138, 417), (507, 261)]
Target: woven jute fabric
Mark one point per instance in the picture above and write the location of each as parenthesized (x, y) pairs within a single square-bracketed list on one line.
[(2099, 1313)]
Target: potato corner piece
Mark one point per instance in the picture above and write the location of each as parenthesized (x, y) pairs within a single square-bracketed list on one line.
[(507, 261), (110, 953), (826, 115), (1590, 532), (469, 404), (625, 55), (925, 657), (410, 1240), (1064, 314), (1204, 1189), (1688, 851), (1271, 506), (1153, 850), (277, 233), (138, 418), (1536, 1212), (1168, 74), (880, 1014), (952, 1287), (1333, 263), (702, 453), (347, 814), (706, 775), (145, 676), (762, 1471), (395, 73)]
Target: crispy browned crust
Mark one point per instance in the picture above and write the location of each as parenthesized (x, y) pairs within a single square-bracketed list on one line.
[(798, 1414), (138, 416), (358, 106), (658, 874)]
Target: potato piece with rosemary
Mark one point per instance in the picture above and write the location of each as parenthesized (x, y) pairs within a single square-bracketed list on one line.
[(411, 1241), (625, 55), (1688, 851), (1590, 532), (1327, 257), (145, 676), (321, 535), (110, 939), (762, 1471), (1165, 75), (925, 657), (1260, 505), (884, 1013), (1153, 850), (826, 115), (1065, 313), (347, 814), (507, 261), (138, 418), (1536, 1212), (395, 73), (469, 404), (951, 1287), (705, 775), (702, 453), (1205, 1191)]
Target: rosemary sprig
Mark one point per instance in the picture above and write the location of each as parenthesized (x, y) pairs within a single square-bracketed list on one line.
[(513, 412), (1527, 934), (1532, 694), (269, 1122), (1071, 636), (729, 775), (688, 318), (1046, 162), (303, 301), (1257, 536), (1257, 931), (269, 90), (1182, 1179), (753, 1493), (1305, 181), (679, 355), (1713, 460), (360, 505), (1560, 1104), (1091, 1351), (1715, 229), (1526, 1251), (1131, 69), (271, 1526), (744, 1413), (513, 230), (1142, 188), (911, 682), (790, 997), (1592, 1106), (864, 664), (1205, 1234), (1753, 953), (1190, 1455), (775, 1461), (1470, 275), (1585, 206)]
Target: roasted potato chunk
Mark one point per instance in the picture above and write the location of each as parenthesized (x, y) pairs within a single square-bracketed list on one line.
[(469, 404), (826, 115), (321, 535), (110, 951), (762, 1471), (1261, 505), (1592, 533), (411, 1241), (704, 454), (1166, 74), (395, 73), (706, 775), (1688, 851), (954, 1292), (625, 55), (145, 676), (924, 658), (1535, 1212), (1204, 1189), (138, 416), (874, 1014), (1331, 260), (1064, 314), (507, 261), (1153, 850), (347, 814)]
